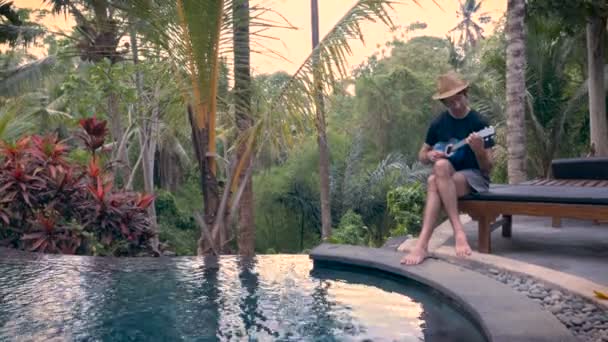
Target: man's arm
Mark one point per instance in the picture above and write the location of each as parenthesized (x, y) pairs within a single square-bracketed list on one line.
[(423, 153), (484, 155), (485, 160), (427, 155)]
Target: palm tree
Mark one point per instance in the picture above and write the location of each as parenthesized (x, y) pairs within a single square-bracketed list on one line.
[(99, 32), (14, 79), (299, 199), (321, 128), (243, 118), (13, 29), (470, 31), (195, 43), (14, 75), (589, 16), (516, 91), (598, 122), (549, 101)]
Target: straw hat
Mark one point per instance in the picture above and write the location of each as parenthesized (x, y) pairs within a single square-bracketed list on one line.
[(448, 85)]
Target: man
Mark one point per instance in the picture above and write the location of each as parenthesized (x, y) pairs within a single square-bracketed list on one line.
[(452, 177)]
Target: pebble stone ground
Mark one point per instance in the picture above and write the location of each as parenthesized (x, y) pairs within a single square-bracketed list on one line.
[(586, 320)]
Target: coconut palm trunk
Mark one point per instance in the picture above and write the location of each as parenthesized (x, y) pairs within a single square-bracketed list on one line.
[(321, 129), (596, 37), (242, 96), (516, 91)]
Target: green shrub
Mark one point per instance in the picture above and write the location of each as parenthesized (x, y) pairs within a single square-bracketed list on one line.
[(176, 227), (165, 204), (168, 213), (181, 241), (406, 204), (351, 230), (499, 171)]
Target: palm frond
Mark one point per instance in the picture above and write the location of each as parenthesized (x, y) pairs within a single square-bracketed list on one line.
[(7, 11), (15, 80), (203, 32), (296, 99), (14, 34), (15, 120), (395, 170), (169, 141), (391, 162), (573, 104)]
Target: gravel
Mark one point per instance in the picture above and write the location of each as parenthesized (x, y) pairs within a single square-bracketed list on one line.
[(586, 320)]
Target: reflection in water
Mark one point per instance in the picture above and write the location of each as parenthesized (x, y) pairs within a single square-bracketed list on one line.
[(253, 317), (209, 301), (324, 320), (268, 298), (197, 299), (370, 304), (133, 304), (385, 302)]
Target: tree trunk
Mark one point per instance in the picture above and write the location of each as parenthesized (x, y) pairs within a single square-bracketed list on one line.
[(516, 90), (209, 186), (242, 95), (121, 155), (148, 147), (321, 131), (170, 173), (596, 36)]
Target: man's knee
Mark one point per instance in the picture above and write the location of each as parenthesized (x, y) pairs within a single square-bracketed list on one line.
[(442, 168)]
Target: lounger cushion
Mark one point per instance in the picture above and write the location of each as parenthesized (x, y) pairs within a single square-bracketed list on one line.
[(543, 193), (580, 168)]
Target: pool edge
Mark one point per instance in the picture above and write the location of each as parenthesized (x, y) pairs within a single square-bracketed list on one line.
[(502, 313)]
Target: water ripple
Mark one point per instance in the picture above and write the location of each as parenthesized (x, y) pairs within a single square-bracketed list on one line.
[(269, 298)]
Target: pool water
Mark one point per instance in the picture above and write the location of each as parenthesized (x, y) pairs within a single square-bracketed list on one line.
[(269, 298)]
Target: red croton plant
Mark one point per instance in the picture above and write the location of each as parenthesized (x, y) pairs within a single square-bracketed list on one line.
[(51, 204)]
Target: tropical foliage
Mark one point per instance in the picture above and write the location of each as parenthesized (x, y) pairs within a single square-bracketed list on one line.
[(233, 156), (14, 28), (52, 204), (406, 204)]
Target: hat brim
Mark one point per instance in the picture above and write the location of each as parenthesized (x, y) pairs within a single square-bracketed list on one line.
[(445, 95)]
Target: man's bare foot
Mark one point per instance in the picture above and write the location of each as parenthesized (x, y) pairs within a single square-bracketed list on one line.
[(416, 256), (462, 245)]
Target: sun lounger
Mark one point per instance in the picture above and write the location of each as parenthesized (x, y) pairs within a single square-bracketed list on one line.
[(578, 189), (588, 172), (577, 202)]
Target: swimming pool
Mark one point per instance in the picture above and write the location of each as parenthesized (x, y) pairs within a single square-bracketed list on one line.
[(270, 297)]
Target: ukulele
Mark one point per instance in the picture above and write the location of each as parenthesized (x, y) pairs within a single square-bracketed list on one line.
[(452, 147)]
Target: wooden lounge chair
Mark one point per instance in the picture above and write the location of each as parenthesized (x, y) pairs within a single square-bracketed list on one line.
[(589, 172), (579, 198)]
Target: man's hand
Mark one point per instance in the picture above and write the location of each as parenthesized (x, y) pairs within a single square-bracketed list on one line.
[(434, 155), (483, 155), (476, 143)]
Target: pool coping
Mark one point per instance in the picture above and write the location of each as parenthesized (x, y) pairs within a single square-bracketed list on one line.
[(503, 314), (574, 284)]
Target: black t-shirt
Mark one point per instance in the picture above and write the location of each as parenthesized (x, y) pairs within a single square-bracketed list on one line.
[(445, 127)]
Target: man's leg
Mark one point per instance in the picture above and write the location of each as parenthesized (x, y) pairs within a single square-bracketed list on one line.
[(431, 211), (452, 185)]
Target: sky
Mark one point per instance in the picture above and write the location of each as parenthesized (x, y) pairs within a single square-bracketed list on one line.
[(295, 45)]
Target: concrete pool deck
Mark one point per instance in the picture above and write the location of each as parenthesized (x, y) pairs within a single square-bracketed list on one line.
[(501, 312), (573, 257)]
